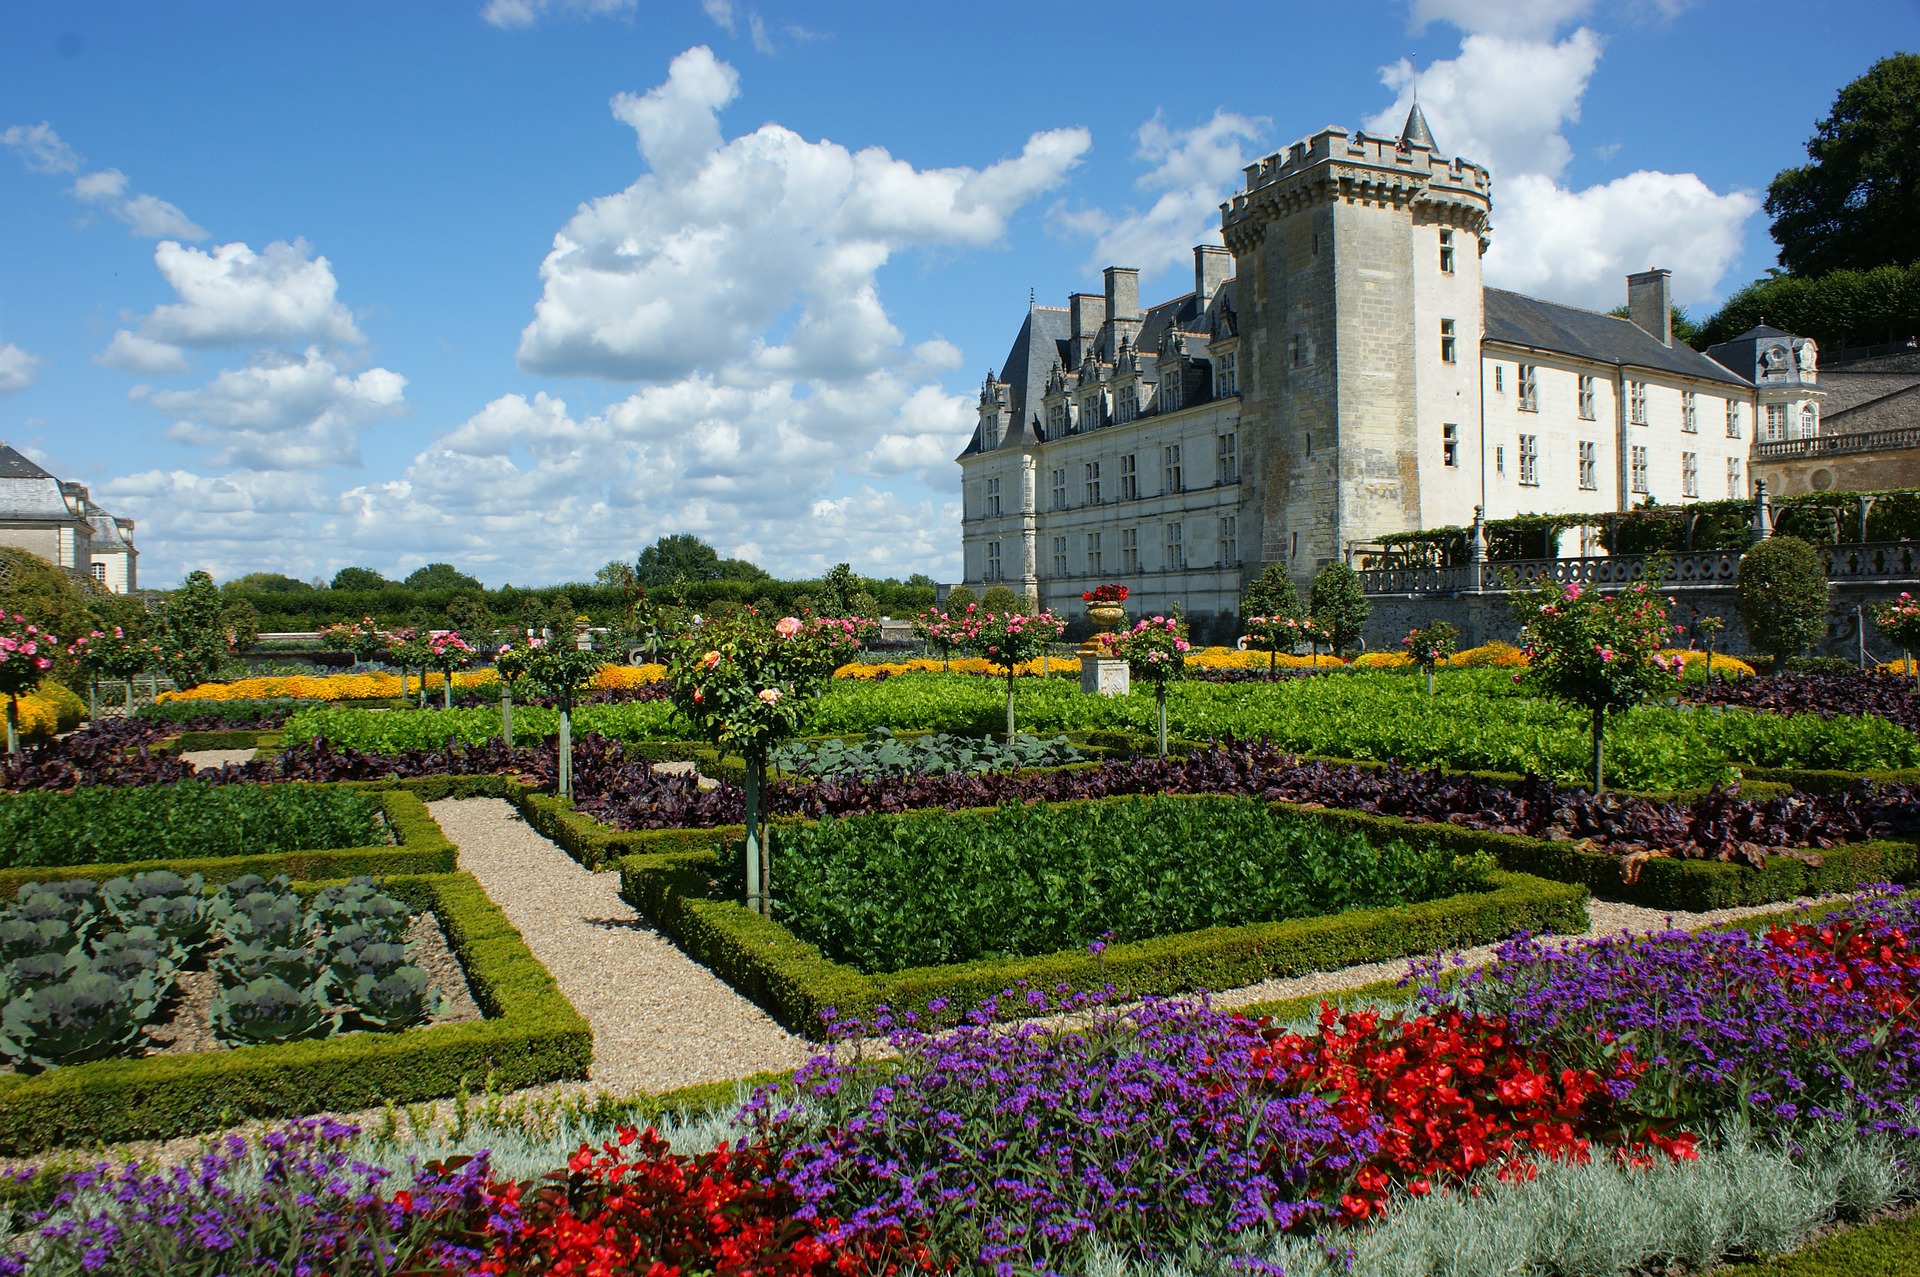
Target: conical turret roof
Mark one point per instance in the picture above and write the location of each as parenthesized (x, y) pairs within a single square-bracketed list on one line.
[(1416, 133)]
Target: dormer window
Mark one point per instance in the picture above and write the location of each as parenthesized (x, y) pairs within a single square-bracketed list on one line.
[(1126, 402), (1170, 392)]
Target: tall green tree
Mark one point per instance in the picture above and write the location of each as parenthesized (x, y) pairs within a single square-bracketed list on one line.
[(357, 579), (266, 583), (1272, 593), (199, 630), (441, 576), (678, 558), (1857, 204)]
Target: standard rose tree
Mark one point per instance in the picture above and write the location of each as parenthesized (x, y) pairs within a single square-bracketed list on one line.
[(744, 683), (1900, 621), (26, 654), (1434, 645), (1155, 650), (562, 670), (1601, 651), (111, 655), (1008, 640), (510, 663), (448, 652)]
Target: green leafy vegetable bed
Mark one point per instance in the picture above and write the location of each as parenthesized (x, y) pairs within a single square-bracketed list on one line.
[(1478, 720), (883, 893), (189, 820), (938, 754)]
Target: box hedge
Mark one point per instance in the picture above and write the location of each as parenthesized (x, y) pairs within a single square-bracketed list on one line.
[(419, 848), (532, 1035)]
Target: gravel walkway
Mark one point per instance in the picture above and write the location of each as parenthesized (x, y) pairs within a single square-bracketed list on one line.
[(1605, 918), (660, 1019), (216, 758)]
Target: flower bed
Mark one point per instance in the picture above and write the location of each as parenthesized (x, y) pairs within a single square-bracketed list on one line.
[(1456, 1137), (883, 893)]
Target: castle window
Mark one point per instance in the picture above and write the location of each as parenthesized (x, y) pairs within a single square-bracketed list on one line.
[(993, 561), (1170, 392), (1530, 461), (1057, 419), (1450, 445), (1126, 402), (1226, 381), (1735, 486), (1129, 477), (1447, 344), (1295, 345), (1689, 474), (1586, 397), (1776, 422), (1589, 466), (1293, 549), (1093, 483), (1500, 379), (1093, 554), (1527, 380), (1733, 419), (1229, 541), (1446, 252), (100, 573), (1637, 402), (1809, 422), (1689, 416), (1637, 475), (1170, 480), (1091, 410), (1176, 553), (1499, 458), (1130, 551), (1226, 458), (1059, 556), (993, 498), (1059, 489)]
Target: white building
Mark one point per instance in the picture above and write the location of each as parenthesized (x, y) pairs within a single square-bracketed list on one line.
[(1340, 373), (59, 522)]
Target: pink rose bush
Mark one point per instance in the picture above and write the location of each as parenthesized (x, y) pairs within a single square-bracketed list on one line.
[(26, 657), (1009, 641), (1155, 651)]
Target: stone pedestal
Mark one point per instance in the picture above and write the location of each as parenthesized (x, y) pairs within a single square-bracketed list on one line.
[(1104, 676)]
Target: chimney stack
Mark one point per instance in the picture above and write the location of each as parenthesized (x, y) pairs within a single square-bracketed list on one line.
[(1123, 292), (1212, 265), (1650, 303)]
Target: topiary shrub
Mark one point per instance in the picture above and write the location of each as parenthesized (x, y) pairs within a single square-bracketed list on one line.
[(1272, 593), (1781, 592), (959, 598), (1000, 601), (1339, 605)]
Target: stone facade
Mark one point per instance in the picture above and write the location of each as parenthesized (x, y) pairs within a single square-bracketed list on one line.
[(1350, 377), (59, 522)]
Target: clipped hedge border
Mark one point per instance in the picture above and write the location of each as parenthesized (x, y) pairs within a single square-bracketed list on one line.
[(421, 848), (798, 985), (1814, 780), (533, 1035)]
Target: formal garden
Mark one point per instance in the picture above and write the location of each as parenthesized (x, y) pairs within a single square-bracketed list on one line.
[(1584, 953)]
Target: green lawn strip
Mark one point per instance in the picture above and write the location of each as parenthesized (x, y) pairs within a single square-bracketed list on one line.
[(1889, 1248), (419, 848), (532, 1035)]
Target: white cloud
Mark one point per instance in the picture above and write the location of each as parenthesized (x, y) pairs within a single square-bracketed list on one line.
[(17, 369), (1193, 170), (757, 28), (721, 11), (1506, 101), (1528, 19), (283, 414), (40, 148), (524, 13), (692, 266), (130, 352), (232, 296), (147, 216)]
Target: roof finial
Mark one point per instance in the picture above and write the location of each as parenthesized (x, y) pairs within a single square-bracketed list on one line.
[(1029, 294)]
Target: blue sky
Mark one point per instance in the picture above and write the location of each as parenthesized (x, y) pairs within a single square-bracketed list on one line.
[(524, 284)]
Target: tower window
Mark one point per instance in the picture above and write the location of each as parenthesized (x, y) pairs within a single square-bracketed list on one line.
[(1226, 458), (993, 561), (1295, 345), (1130, 550), (1093, 482), (1446, 252), (1059, 556), (1447, 343), (1450, 445), (993, 498), (1129, 477), (1229, 541), (1060, 489)]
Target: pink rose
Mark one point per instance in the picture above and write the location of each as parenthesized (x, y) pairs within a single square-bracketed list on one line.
[(710, 660), (770, 695)]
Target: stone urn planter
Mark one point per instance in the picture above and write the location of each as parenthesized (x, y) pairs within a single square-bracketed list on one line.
[(1106, 618)]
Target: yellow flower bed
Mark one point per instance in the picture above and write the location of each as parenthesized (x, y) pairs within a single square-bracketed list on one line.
[(1494, 655), (1232, 658), (958, 665), (1888, 667), (368, 687), (1728, 666), (48, 709), (1383, 661)]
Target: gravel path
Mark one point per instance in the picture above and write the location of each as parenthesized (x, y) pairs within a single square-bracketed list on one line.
[(660, 1019), (1605, 918), (216, 758)]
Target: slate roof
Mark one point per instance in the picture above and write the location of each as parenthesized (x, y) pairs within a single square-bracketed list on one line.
[(27, 491), (1586, 334), (1043, 338), (15, 465), (1416, 133)]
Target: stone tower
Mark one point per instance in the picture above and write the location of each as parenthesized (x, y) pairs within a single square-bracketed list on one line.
[(1361, 313)]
